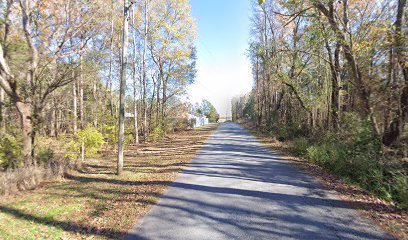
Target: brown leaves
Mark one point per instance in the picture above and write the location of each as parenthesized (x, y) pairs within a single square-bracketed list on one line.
[(97, 203)]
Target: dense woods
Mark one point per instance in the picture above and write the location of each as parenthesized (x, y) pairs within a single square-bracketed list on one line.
[(61, 65), (332, 77)]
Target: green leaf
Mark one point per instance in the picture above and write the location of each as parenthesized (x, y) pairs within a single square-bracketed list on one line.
[(261, 2)]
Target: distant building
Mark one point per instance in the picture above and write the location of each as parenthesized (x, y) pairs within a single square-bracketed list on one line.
[(129, 115), (194, 119), (197, 120)]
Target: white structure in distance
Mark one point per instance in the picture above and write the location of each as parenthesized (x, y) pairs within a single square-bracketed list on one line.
[(197, 120)]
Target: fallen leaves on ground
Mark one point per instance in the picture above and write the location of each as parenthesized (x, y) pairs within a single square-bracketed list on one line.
[(95, 203)]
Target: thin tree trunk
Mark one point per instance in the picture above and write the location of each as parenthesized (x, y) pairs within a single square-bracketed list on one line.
[(334, 64), (81, 104), (135, 125), (158, 86), (145, 127), (2, 112), (122, 91), (58, 122), (53, 119), (81, 96), (258, 100), (158, 100), (110, 80), (75, 103), (95, 109), (164, 99), (150, 112)]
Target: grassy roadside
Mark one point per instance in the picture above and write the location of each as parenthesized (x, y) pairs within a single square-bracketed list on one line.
[(387, 216), (95, 203)]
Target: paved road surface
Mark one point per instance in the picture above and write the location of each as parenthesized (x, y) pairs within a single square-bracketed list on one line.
[(237, 189)]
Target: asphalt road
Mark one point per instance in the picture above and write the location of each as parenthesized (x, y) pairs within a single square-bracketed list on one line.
[(237, 189)]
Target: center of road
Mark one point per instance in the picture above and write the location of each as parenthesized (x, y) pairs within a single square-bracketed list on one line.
[(237, 189)]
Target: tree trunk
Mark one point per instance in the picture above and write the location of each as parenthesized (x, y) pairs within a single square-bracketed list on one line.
[(349, 55), (396, 127), (144, 75), (164, 99), (335, 76), (6, 24), (95, 109), (81, 96), (53, 119), (24, 111), (158, 86), (2, 114), (110, 80), (75, 110), (135, 125), (81, 103), (122, 91)]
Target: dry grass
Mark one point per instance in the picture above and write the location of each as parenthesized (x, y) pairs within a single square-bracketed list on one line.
[(95, 203), (28, 178)]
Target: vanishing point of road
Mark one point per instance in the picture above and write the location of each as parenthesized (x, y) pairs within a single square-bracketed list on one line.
[(237, 189)]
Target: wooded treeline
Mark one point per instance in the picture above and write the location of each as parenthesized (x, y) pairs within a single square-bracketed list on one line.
[(60, 64), (332, 77), (316, 61)]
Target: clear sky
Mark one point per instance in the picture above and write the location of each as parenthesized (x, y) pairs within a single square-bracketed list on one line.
[(223, 69)]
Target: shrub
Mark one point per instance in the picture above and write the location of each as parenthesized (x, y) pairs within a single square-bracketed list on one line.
[(44, 151), (323, 154), (128, 137), (181, 124), (92, 140), (356, 159), (359, 134), (110, 134), (10, 151), (45, 155), (299, 146), (288, 132), (249, 109), (157, 134), (398, 187), (352, 153)]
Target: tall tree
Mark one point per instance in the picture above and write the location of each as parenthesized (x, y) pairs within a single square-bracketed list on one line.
[(122, 90), (134, 72), (144, 69)]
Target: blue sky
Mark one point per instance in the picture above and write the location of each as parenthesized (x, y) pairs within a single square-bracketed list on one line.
[(223, 69)]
